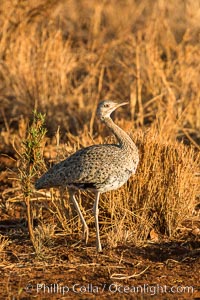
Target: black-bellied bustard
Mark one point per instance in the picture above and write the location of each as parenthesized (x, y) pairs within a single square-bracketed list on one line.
[(99, 168)]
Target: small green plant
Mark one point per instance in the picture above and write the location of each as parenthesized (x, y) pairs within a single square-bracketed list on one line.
[(31, 162)]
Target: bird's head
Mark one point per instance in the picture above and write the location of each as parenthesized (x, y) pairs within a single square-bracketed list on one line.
[(106, 107)]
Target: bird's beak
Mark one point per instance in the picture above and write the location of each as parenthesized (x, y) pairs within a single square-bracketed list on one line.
[(121, 104)]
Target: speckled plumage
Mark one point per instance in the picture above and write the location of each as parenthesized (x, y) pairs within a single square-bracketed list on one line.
[(100, 168)]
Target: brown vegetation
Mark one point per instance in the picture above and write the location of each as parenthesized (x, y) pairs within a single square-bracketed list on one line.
[(60, 58)]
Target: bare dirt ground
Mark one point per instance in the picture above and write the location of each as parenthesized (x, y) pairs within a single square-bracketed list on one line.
[(68, 269)]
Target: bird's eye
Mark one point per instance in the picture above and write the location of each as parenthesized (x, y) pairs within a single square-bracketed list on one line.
[(106, 105)]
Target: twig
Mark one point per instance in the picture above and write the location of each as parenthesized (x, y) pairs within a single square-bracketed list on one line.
[(123, 276)]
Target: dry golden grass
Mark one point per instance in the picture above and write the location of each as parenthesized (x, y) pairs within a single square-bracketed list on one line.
[(62, 57)]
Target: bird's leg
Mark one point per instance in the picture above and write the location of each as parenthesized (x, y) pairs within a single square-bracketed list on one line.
[(85, 227), (96, 214)]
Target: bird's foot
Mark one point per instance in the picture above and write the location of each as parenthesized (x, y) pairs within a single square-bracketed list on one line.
[(99, 247), (86, 233)]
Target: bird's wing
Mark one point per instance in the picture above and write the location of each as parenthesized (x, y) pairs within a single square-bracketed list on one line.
[(87, 166)]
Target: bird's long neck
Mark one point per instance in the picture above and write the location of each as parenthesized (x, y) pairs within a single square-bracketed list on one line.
[(123, 138)]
